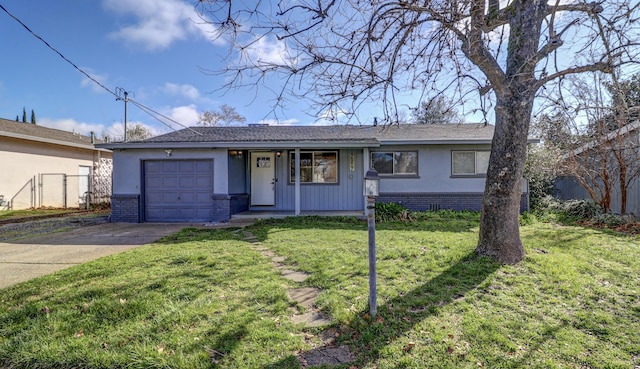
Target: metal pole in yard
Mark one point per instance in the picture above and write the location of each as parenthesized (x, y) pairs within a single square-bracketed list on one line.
[(373, 304), (371, 189)]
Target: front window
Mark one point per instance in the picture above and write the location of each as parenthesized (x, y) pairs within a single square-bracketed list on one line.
[(315, 167), (395, 162), (469, 162)]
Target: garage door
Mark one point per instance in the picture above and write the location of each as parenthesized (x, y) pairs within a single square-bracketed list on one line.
[(178, 190)]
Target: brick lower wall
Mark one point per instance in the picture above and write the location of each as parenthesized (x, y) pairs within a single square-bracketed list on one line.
[(125, 208), (435, 201), (239, 203), (221, 206)]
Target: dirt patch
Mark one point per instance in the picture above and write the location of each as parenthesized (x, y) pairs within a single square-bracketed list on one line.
[(12, 229)]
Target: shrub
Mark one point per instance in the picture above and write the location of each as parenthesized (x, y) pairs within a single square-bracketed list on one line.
[(391, 211), (528, 218), (578, 210), (610, 220)]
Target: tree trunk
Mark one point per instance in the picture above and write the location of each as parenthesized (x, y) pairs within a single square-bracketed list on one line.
[(623, 188), (499, 220)]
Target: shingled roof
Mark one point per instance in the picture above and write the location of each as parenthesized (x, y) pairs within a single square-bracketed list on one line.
[(346, 135), (34, 132)]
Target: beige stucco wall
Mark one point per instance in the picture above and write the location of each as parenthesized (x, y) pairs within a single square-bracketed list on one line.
[(23, 160)]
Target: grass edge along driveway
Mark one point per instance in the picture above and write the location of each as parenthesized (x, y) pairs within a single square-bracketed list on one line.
[(205, 298)]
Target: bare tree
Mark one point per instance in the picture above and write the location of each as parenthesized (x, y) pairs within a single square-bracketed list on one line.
[(138, 132), (499, 54), (135, 132), (227, 115), (604, 155), (439, 110)]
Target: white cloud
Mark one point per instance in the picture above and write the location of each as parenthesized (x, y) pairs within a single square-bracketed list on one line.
[(186, 115), (330, 117), (159, 23), (86, 82), (72, 125), (184, 90), (276, 122), (270, 51), (115, 131)]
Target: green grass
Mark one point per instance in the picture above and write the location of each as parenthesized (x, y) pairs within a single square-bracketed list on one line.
[(27, 213), (207, 299)]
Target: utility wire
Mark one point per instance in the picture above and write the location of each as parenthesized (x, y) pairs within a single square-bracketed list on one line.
[(154, 114), (139, 105), (56, 51)]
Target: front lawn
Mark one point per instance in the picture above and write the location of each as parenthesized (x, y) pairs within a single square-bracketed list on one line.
[(207, 298)]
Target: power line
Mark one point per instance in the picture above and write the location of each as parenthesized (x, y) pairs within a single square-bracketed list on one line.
[(155, 115), (117, 94), (57, 52)]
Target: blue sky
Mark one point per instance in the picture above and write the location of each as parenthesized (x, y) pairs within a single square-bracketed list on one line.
[(155, 49)]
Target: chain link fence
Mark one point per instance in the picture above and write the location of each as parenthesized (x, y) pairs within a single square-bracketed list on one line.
[(60, 190)]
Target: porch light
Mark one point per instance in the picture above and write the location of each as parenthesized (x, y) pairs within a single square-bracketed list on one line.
[(371, 183)]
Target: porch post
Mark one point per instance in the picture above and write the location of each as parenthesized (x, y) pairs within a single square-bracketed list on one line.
[(297, 186), (365, 168)]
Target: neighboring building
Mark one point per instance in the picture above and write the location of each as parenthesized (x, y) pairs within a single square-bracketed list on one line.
[(212, 173), (624, 143), (44, 167)]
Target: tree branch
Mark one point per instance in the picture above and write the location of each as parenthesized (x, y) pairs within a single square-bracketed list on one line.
[(595, 67)]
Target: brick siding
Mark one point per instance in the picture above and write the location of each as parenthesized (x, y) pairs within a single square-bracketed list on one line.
[(239, 203), (221, 205), (437, 201), (125, 208)]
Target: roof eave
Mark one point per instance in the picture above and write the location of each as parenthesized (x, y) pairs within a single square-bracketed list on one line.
[(241, 145), (51, 141), (453, 141)]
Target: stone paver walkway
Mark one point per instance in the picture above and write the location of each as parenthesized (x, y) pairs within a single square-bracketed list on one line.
[(326, 354)]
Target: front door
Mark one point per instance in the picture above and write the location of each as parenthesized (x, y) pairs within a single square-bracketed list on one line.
[(263, 170)]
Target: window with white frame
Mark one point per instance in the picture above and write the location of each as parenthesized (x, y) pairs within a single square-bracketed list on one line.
[(469, 162), (395, 162), (315, 167)]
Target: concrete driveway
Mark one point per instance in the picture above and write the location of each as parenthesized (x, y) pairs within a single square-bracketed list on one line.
[(21, 260)]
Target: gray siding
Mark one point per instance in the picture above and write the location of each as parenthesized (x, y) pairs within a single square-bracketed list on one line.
[(346, 195), (434, 171), (567, 189), (238, 174)]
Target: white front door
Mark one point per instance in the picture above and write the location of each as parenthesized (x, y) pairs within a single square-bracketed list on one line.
[(263, 170)]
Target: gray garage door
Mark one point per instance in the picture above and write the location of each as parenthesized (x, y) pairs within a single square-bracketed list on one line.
[(178, 190)]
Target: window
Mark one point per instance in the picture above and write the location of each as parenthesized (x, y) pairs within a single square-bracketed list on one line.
[(315, 167), (395, 162), (469, 162)]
